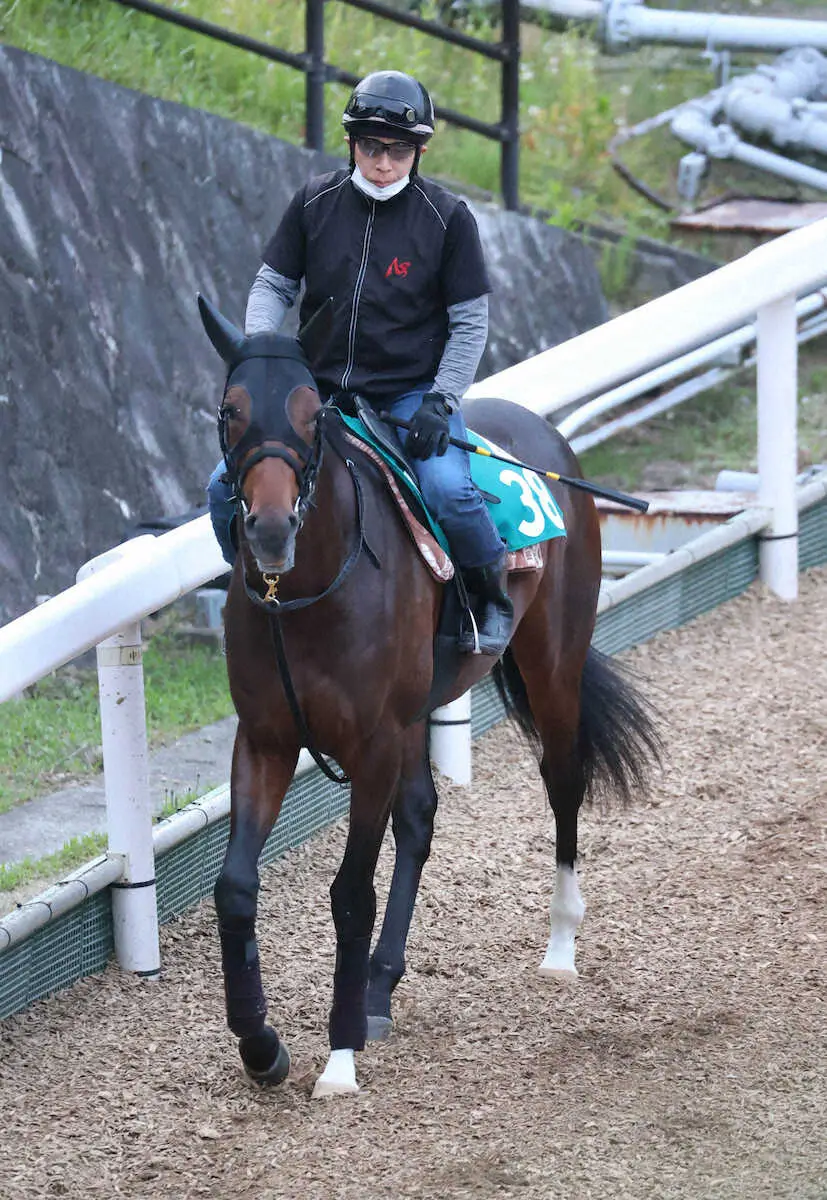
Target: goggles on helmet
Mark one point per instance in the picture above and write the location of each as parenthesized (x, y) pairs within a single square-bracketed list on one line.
[(365, 107)]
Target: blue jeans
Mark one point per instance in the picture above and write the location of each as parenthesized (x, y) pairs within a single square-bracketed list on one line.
[(446, 488), (452, 499), (222, 512)]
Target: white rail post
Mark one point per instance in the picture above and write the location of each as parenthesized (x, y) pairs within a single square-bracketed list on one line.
[(777, 443), (451, 739), (128, 806)]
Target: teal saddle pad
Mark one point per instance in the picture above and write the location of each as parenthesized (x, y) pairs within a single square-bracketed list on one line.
[(523, 509)]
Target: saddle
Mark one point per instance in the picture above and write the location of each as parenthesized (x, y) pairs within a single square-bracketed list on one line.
[(371, 436)]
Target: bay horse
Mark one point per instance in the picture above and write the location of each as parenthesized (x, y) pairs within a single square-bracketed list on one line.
[(330, 623)]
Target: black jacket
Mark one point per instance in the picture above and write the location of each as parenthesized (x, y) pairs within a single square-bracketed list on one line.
[(392, 267)]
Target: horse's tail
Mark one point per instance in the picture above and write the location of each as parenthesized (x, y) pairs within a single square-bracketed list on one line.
[(618, 739)]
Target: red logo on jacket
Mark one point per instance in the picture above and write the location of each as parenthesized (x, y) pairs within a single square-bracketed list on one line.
[(397, 268)]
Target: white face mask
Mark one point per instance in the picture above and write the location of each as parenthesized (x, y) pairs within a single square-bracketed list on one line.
[(373, 190)]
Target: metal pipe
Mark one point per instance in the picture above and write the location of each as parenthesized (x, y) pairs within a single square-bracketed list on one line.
[(678, 395), (196, 25), (777, 452), (60, 898), (208, 809), (777, 164), (629, 560), (569, 10), (316, 74), (627, 23), (718, 348), (510, 109), (450, 739), (737, 529), (128, 803)]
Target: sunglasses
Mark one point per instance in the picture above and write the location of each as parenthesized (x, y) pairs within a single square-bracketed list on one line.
[(396, 151)]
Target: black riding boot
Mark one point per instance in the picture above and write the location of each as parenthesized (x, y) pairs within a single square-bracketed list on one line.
[(492, 609)]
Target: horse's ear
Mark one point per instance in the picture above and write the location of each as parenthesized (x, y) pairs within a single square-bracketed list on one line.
[(314, 334), (227, 339)]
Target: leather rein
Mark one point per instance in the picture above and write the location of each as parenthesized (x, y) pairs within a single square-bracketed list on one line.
[(307, 476)]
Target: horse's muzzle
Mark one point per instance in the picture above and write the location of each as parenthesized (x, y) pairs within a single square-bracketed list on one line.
[(272, 539)]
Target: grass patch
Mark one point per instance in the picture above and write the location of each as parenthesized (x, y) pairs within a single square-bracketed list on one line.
[(77, 851), (52, 736), (72, 854)]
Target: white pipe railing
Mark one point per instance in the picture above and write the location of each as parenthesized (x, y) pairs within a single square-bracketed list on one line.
[(113, 590), (727, 347), (636, 341)]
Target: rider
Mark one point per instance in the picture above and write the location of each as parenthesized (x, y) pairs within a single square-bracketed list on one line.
[(402, 260)]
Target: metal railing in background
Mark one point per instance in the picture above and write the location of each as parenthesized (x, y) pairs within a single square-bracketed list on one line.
[(318, 73)]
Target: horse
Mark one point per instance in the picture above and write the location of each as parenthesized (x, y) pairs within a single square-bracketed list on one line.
[(330, 627)]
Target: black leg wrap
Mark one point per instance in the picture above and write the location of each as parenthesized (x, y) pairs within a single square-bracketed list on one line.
[(381, 984), (246, 1006), (348, 1016), (265, 1057)]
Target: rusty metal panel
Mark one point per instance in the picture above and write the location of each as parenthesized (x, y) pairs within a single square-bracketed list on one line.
[(673, 519), (752, 214)]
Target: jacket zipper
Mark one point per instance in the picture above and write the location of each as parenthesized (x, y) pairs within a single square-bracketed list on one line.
[(357, 291)]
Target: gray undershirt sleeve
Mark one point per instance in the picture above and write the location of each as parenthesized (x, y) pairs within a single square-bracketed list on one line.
[(467, 335), (271, 295)]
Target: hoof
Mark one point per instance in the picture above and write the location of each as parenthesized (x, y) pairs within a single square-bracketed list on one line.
[(552, 970), (254, 1053), (379, 1029), (338, 1077), (324, 1088)]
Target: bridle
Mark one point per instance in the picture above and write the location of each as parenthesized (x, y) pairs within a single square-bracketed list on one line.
[(255, 445)]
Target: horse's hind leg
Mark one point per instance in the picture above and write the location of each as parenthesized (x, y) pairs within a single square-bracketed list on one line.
[(413, 826), (258, 787), (553, 698), (565, 791)]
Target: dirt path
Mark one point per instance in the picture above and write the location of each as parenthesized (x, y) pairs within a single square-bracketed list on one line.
[(687, 1062)]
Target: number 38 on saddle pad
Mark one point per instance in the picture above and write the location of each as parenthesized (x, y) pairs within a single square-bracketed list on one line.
[(523, 509)]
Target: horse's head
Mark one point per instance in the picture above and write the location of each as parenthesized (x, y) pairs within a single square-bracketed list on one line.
[(267, 430)]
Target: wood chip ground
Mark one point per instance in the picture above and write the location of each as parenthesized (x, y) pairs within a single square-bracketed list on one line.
[(687, 1062)]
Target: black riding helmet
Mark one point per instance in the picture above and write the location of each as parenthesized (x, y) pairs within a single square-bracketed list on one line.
[(390, 104)]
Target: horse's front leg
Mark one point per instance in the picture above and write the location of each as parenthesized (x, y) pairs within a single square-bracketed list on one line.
[(413, 826), (258, 785), (353, 902)]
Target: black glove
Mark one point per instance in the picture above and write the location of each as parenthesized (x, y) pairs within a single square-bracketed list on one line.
[(429, 431)]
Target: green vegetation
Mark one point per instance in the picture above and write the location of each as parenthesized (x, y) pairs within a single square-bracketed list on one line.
[(574, 100), (569, 109), (52, 866), (74, 853), (53, 734)]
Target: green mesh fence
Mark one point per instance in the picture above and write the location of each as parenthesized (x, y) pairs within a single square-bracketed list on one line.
[(678, 599), (812, 536), (81, 943)]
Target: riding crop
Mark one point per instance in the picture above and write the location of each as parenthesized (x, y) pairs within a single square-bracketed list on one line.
[(571, 481)]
